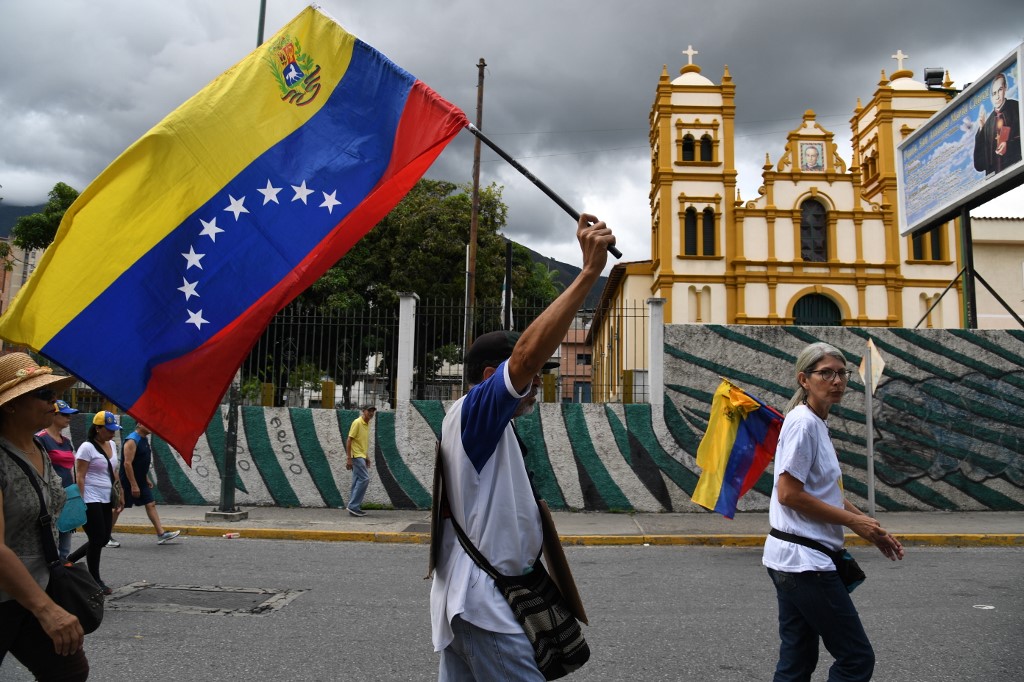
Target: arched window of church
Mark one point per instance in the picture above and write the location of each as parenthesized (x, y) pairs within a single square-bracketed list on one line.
[(706, 148), (813, 231), (817, 310), (690, 232), (708, 229), (688, 146)]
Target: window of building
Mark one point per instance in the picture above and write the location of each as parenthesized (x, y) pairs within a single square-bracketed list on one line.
[(817, 310), (927, 245), (583, 358), (813, 231), (688, 148), (709, 232), (690, 232), (706, 148)]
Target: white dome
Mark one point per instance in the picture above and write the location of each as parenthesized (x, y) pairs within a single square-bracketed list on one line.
[(692, 78)]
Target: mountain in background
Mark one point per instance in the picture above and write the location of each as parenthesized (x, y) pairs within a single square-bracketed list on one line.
[(10, 214), (567, 273)]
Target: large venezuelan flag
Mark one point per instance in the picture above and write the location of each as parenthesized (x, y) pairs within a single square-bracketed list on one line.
[(740, 441), (170, 264)]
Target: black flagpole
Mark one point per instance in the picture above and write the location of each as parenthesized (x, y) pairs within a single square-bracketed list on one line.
[(530, 176)]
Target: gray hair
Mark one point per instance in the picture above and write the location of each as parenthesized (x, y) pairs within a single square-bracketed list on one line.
[(808, 358)]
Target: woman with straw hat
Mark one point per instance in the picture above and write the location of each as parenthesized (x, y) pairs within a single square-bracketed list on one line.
[(32, 627)]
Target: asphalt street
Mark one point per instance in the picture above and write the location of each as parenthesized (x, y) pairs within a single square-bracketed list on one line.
[(359, 611)]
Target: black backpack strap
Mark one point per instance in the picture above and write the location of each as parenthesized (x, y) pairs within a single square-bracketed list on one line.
[(45, 520), (806, 542)]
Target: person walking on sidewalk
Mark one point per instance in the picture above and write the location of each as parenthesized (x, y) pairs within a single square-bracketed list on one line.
[(62, 455), (808, 501), (137, 458), (95, 464), (358, 446), (488, 488)]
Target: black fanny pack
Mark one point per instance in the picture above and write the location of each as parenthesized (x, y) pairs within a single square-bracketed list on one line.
[(846, 566)]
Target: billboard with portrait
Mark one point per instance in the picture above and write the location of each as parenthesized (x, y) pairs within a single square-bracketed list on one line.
[(967, 153)]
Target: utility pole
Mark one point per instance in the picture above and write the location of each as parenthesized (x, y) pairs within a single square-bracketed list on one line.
[(475, 215)]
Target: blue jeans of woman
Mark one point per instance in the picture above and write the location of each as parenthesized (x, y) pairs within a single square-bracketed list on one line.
[(478, 655), (360, 480), (813, 605)]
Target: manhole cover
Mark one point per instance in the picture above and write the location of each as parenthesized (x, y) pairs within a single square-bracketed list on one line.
[(418, 528), (200, 599)]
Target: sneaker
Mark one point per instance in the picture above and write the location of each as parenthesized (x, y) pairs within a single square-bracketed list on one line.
[(167, 535), (356, 512), (106, 590), (112, 543)]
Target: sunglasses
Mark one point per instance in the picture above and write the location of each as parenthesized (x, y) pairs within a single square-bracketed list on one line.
[(45, 394)]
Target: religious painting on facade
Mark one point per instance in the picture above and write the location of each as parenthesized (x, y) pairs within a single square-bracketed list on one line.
[(812, 156)]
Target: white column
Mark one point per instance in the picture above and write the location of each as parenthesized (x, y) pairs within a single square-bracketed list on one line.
[(656, 353), (406, 342)]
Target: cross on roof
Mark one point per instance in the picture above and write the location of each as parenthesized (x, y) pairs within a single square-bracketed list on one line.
[(899, 57), (689, 52)]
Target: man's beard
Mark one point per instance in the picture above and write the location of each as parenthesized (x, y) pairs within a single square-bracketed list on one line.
[(525, 407)]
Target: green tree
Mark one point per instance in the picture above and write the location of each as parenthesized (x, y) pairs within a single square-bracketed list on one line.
[(37, 230), (420, 246)]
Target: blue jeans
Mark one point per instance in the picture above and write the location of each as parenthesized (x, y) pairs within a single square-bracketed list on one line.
[(478, 655), (360, 480), (815, 604)]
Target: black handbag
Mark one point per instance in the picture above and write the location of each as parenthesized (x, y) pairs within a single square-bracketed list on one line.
[(71, 585), (846, 566)]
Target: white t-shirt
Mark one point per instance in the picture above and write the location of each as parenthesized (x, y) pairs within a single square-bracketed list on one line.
[(806, 452), (490, 497), (97, 476)]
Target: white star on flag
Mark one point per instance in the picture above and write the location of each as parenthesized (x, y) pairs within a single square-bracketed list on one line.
[(236, 206), (196, 319), (210, 229), (269, 193), (301, 192), (189, 288), (330, 201), (193, 258)]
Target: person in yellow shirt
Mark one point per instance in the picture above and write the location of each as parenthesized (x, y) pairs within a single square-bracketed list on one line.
[(359, 463)]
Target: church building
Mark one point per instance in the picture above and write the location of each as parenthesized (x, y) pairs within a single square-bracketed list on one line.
[(819, 245)]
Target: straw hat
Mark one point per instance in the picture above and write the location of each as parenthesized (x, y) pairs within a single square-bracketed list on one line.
[(19, 374)]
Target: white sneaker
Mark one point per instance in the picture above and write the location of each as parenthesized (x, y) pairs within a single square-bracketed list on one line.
[(112, 543), (167, 535)]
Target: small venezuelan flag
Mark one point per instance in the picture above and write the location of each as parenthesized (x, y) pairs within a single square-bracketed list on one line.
[(740, 441), (171, 263)]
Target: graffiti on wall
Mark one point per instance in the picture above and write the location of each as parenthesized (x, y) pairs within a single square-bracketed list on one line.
[(947, 431)]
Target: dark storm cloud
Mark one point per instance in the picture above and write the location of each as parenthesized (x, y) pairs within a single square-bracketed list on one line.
[(568, 88)]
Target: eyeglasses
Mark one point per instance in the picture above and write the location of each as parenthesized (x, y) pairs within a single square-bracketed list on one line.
[(45, 394), (830, 375)]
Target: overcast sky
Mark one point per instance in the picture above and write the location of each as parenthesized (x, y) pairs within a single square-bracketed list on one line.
[(568, 90)]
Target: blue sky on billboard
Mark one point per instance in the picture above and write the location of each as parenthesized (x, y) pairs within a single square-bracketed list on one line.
[(954, 159)]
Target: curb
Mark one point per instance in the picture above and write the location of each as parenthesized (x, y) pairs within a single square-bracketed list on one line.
[(705, 540)]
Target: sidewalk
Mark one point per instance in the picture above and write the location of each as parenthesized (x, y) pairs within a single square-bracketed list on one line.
[(960, 529)]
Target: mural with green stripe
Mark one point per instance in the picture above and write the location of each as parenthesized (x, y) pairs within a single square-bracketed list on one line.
[(947, 431)]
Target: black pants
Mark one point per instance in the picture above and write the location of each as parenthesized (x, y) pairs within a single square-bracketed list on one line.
[(21, 634), (99, 522)]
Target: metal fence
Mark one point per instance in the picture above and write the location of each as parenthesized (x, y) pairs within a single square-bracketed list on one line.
[(307, 357)]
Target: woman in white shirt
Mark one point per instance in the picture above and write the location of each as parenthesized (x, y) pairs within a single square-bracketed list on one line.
[(95, 461), (808, 501)]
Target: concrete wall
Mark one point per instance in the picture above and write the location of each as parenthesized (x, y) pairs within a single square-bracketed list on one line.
[(948, 431)]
